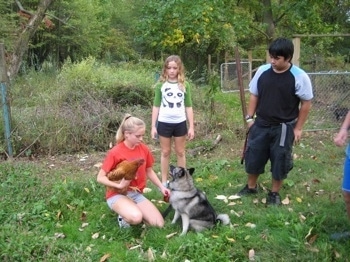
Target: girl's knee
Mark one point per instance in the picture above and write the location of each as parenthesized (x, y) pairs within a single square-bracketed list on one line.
[(134, 218), (180, 154), (166, 153)]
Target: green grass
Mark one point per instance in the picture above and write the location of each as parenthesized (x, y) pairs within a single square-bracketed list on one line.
[(42, 199), (37, 202)]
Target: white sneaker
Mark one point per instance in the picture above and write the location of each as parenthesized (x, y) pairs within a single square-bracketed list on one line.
[(122, 223)]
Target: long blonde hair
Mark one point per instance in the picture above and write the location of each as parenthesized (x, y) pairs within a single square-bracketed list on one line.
[(181, 74), (129, 123)]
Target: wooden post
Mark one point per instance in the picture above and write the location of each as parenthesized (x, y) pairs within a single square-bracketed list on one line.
[(296, 56), (250, 60), (226, 73), (4, 100), (209, 64), (240, 84), (267, 58)]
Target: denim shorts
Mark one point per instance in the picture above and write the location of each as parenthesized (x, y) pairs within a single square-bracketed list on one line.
[(346, 177), (170, 130), (263, 145), (135, 196)]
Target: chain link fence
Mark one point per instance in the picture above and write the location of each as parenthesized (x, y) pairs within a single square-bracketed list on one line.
[(331, 99), (331, 94)]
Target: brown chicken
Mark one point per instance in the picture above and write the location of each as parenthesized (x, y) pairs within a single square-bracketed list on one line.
[(125, 169)]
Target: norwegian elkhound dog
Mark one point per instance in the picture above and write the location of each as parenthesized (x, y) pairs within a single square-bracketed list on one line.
[(190, 203)]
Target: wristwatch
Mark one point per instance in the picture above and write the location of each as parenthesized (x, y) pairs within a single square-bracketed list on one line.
[(247, 117)]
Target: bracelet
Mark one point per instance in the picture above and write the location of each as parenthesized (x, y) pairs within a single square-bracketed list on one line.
[(249, 120)]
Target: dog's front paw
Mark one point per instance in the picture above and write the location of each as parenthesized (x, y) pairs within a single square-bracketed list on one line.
[(183, 233)]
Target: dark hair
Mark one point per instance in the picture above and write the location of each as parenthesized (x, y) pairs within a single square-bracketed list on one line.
[(282, 47)]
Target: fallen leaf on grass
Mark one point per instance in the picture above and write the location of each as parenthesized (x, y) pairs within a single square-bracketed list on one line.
[(171, 235), (234, 212), (311, 248), (286, 201), (150, 255), (251, 255), (59, 214), (320, 192), (312, 239), (134, 247), (230, 239), (96, 235), (231, 204), (81, 229), (233, 197), (59, 235), (83, 216), (221, 197), (299, 200), (70, 207), (309, 233), (336, 254), (251, 225), (263, 200), (105, 257), (302, 217)]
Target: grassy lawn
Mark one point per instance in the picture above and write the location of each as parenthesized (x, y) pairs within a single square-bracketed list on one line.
[(52, 209)]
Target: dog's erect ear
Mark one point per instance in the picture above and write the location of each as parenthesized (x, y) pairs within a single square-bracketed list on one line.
[(190, 170), (171, 167)]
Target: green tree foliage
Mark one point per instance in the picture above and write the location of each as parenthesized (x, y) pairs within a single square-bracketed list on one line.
[(8, 22), (207, 27), (79, 29), (120, 30), (196, 28)]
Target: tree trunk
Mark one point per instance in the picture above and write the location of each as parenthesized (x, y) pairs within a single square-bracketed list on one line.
[(21, 46), (268, 20)]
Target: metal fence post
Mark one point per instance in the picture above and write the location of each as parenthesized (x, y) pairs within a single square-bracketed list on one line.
[(5, 106)]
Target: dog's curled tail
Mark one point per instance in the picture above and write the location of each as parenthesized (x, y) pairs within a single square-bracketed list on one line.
[(223, 218)]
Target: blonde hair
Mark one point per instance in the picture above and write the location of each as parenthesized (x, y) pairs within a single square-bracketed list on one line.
[(181, 68), (129, 123)]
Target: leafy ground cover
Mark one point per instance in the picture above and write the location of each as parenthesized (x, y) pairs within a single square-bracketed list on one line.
[(52, 209)]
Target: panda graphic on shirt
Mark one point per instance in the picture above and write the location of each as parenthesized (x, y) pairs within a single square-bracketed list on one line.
[(172, 97), (172, 109)]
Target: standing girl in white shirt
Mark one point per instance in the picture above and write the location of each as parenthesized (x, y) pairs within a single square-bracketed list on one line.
[(172, 111)]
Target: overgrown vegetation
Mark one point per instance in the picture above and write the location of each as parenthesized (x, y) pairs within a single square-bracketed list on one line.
[(79, 108)]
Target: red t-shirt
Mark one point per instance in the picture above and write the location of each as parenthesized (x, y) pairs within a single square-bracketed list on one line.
[(120, 153)]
